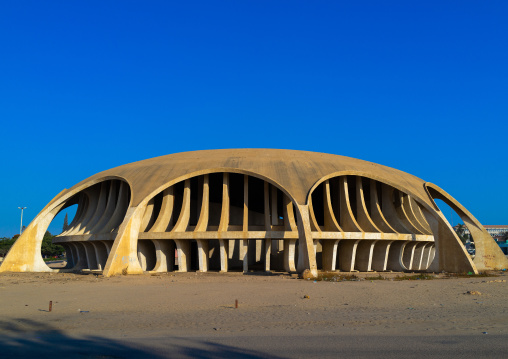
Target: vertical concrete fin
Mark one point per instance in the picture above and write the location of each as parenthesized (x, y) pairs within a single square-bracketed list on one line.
[(417, 213), (245, 224), (314, 226), (183, 220), (166, 213), (120, 208), (93, 199), (75, 220), (268, 226), (405, 206), (80, 214), (289, 215), (205, 206), (348, 222), (363, 217), (101, 207), (419, 209), (389, 210), (400, 203), (110, 208), (148, 215), (274, 212), (224, 215), (331, 224), (375, 209), (307, 257)]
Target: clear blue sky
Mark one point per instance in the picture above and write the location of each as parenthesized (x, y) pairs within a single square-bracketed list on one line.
[(90, 85)]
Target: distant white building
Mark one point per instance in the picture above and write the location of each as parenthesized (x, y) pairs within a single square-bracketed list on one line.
[(494, 230)]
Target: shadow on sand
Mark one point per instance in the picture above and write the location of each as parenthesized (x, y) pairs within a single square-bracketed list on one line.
[(22, 338)]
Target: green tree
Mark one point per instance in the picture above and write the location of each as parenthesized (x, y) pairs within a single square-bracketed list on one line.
[(5, 245), (48, 248), (461, 232), (66, 223)]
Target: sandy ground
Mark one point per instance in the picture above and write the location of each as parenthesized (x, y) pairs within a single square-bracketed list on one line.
[(175, 315)]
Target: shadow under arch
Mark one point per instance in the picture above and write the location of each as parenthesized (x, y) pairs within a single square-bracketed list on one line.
[(359, 222), (373, 211), (372, 176), (124, 258), (25, 254), (488, 254)]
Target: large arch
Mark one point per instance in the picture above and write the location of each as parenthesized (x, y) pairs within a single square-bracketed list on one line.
[(187, 211), (25, 254), (488, 255), (110, 223), (367, 222)]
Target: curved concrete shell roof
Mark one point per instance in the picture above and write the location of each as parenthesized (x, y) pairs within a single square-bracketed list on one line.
[(294, 171), (357, 215)]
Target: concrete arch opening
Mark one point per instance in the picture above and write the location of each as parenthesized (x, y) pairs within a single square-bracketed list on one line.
[(362, 224), (89, 237), (59, 224), (222, 221), (487, 254), (458, 225)]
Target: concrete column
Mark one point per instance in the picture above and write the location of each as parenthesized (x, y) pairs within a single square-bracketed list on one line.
[(203, 254), (82, 263), (380, 255), (224, 251), (364, 255), (91, 258), (289, 255), (268, 251), (395, 256), (408, 255), (68, 254), (101, 254), (184, 254), (347, 254), (418, 256), (165, 254), (306, 255), (330, 254), (244, 249)]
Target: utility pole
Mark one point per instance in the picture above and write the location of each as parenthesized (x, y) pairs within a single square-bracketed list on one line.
[(21, 225)]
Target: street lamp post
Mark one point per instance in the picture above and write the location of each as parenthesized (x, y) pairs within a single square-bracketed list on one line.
[(21, 225)]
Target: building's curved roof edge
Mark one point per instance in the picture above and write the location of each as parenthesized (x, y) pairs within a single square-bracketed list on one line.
[(295, 170)]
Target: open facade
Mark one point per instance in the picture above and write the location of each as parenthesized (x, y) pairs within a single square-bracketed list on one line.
[(256, 209)]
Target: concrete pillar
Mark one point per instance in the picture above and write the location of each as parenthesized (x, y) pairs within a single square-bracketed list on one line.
[(203, 254), (380, 255), (91, 258), (289, 255), (330, 254), (184, 254), (347, 254), (165, 255)]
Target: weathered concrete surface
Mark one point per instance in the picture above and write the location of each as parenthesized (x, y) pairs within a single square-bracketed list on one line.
[(364, 217)]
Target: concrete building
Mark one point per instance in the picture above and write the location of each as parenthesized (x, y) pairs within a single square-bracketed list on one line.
[(493, 230), (256, 209)]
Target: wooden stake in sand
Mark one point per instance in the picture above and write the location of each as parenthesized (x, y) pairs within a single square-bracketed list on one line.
[(50, 305), (236, 303)]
